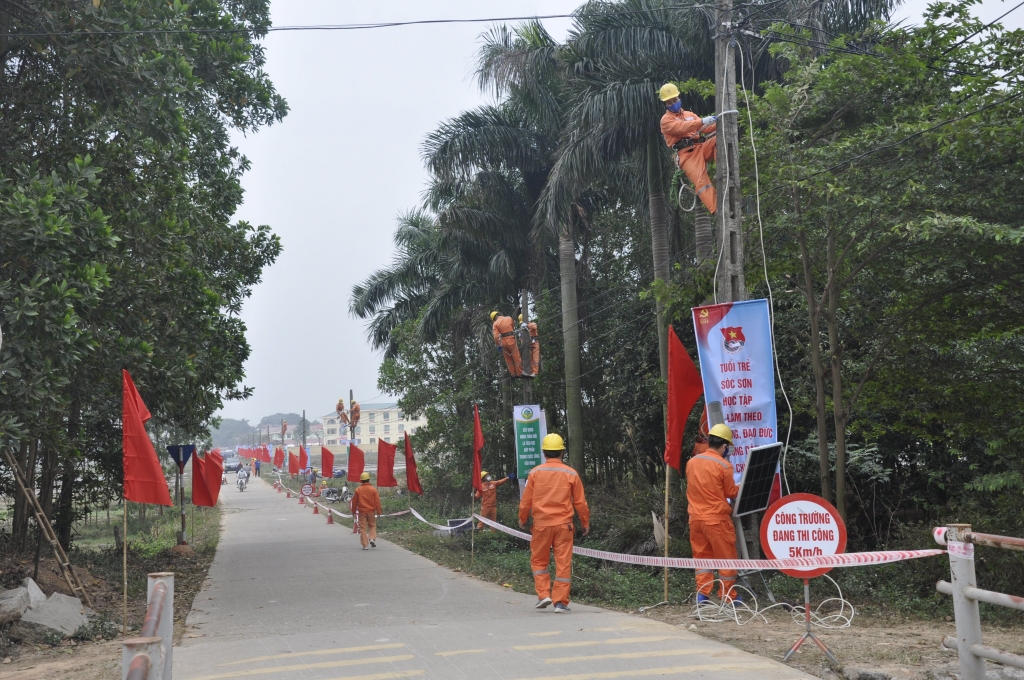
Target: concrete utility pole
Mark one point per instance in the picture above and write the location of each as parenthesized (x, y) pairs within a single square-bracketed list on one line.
[(524, 351), (730, 285)]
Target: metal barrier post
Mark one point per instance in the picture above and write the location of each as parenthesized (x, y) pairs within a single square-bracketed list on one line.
[(141, 659), (165, 621), (965, 609)]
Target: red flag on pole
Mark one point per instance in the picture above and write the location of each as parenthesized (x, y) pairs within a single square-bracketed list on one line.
[(293, 464), (684, 388), (144, 480), (201, 495), (412, 479), (355, 462), (326, 462), (386, 464), (278, 457), (214, 468), (303, 458), (478, 444)]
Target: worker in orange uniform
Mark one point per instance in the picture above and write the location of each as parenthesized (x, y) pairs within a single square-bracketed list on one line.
[(366, 501), (709, 487), (534, 345), (489, 505), (505, 336), (553, 489), (683, 132)]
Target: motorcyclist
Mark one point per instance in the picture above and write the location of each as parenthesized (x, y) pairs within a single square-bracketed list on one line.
[(242, 478)]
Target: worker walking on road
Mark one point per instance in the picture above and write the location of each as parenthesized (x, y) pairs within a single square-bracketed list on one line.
[(366, 502), (553, 490), (534, 345), (683, 131), (489, 506), (505, 337), (709, 486)]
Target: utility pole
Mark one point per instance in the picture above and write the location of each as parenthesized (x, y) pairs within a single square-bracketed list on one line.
[(304, 430), (730, 285), (524, 350)]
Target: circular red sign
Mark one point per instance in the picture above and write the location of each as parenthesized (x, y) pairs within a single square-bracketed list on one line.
[(307, 489), (802, 525)]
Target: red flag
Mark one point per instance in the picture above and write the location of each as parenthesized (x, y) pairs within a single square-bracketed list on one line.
[(293, 464), (201, 495), (478, 444), (303, 458), (326, 462), (386, 464), (412, 479), (278, 457), (355, 463), (266, 455), (684, 388), (144, 480), (214, 468)]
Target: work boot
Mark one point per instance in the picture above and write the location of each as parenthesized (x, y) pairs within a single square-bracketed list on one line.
[(365, 548), (543, 604), (561, 608), (703, 599), (373, 543)]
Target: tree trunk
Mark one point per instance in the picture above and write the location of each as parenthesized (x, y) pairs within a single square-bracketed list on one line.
[(571, 349), (20, 520), (704, 238), (817, 367), (838, 411), (65, 506), (659, 241)]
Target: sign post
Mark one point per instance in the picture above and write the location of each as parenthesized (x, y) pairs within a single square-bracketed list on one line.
[(803, 525), (530, 430)]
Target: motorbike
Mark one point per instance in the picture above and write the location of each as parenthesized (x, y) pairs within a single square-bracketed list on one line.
[(334, 495), (241, 481)]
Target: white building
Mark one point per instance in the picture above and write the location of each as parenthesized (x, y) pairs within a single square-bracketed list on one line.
[(376, 422)]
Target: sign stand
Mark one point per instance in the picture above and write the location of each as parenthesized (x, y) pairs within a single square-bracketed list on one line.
[(809, 635)]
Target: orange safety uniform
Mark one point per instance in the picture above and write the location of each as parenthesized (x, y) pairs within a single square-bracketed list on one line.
[(693, 160), (709, 482), (489, 506), (534, 348), (552, 491), (366, 501), (505, 336)]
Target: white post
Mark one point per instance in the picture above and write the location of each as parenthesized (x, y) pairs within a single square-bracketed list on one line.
[(142, 647), (165, 628), (968, 619)]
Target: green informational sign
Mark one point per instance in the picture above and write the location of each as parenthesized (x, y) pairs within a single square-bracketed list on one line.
[(530, 430)]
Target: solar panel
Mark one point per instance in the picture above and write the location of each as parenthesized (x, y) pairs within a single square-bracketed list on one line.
[(758, 477)]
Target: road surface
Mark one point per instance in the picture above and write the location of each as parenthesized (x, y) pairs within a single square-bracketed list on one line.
[(289, 597)]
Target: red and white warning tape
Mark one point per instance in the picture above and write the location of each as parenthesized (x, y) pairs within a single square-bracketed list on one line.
[(844, 560)]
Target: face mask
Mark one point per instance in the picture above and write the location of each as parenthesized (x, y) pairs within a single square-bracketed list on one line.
[(675, 108)]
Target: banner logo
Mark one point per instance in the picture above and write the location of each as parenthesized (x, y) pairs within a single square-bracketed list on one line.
[(734, 339), (527, 413)]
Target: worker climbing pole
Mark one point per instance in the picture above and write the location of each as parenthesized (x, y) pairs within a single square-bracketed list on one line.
[(505, 337)]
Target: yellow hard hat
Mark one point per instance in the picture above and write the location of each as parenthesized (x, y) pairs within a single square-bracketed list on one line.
[(722, 431), (483, 474), (668, 91), (552, 442), (493, 314), (365, 477)]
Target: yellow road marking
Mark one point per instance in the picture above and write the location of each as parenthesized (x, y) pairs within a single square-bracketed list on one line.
[(382, 676), (460, 651), (589, 643), (647, 672), (550, 632), (339, 650), (626, 655), (305, 666)]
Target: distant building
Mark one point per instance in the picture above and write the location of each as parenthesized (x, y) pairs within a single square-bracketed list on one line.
[(376, 422)]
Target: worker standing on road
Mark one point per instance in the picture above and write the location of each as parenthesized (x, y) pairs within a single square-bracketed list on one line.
[(256, 466), (366, 502), (683, 132), (505, 337), (489, 506), (553, 489), (709, 487), (534, 345)]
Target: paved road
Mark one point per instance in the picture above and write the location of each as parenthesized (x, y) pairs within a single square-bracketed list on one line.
[(288, 597)]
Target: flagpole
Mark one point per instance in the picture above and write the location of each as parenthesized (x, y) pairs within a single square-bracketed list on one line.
[(124, 565), (472, 538), (665, 541)]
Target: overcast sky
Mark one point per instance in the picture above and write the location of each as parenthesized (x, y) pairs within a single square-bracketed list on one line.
[(331, 179)]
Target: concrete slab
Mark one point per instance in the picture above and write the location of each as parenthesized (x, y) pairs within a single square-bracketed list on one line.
[(290, 597)]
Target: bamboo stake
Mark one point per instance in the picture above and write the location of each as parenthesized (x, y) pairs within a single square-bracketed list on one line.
[(124, 566), (665, 540)]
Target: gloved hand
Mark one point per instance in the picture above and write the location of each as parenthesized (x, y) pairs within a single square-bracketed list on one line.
[(512, 476), (522, 326), (708, 120)]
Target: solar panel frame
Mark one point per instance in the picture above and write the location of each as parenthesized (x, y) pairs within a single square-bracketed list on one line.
[(756, 486)]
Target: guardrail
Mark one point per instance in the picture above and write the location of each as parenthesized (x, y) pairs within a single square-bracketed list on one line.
[(148, 657), (960, 541)]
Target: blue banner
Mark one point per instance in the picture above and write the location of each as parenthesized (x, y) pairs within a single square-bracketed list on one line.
[(734, 343)]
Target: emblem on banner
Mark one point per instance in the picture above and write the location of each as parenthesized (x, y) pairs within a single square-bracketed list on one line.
[(734, 339), (527, 413), (704, 316)]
